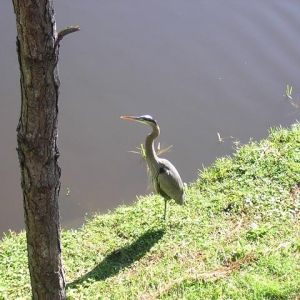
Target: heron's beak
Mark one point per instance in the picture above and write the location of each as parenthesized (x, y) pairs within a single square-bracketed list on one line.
[(131, 118)]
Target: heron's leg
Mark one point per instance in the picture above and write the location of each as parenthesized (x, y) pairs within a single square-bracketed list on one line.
[(165, 212)]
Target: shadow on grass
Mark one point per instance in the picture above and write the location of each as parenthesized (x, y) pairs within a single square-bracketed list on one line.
[(121, 258)]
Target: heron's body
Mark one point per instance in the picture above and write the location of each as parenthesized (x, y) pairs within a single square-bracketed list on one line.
[(166, 180)]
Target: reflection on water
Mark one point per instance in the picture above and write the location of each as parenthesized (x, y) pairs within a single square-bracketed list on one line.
[(199, 67)]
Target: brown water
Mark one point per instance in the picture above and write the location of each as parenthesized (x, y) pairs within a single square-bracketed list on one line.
[(199, 67)]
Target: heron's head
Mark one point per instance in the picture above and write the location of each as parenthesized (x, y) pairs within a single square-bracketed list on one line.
[(145, 119)]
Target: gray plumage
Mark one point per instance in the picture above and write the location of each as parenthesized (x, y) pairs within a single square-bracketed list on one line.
[(166, 180)]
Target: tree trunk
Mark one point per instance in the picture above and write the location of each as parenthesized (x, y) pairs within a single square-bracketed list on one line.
[(37, 46)]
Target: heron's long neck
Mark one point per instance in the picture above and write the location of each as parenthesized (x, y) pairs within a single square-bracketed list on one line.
[(151, 156)]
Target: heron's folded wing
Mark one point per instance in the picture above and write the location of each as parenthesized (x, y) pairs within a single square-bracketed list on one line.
[(168, 185)]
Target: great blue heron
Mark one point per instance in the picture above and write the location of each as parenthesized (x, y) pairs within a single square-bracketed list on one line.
[(165, 178)]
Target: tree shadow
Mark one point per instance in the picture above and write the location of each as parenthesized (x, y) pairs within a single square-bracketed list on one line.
[(121, 258)]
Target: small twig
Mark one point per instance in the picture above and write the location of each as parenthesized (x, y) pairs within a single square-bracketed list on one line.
[(66, 31), (222, 139)]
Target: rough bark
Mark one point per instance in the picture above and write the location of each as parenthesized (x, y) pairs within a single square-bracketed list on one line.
[(37, 49)]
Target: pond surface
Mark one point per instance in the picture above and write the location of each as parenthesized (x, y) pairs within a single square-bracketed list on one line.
[(199, 67)]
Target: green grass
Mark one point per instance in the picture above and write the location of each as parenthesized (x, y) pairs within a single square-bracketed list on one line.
[(237, 237)]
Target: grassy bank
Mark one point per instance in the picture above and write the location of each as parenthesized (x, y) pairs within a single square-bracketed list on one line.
[(237, 237)]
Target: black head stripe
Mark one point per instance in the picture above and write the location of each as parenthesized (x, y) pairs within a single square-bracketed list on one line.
[(148, 118), (162, 170)]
